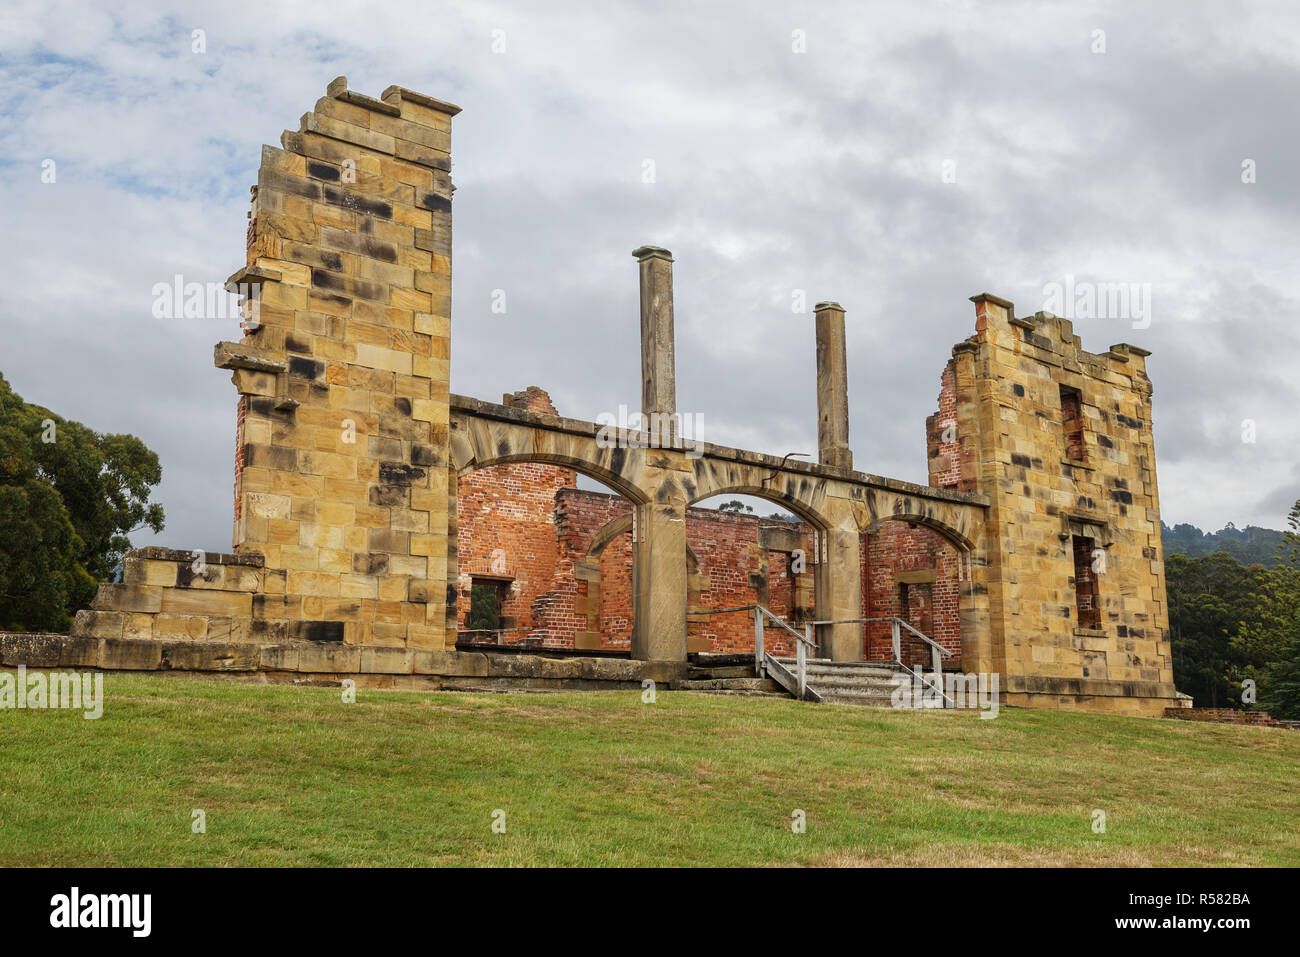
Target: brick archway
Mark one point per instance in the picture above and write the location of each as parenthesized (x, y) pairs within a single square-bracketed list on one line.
[(915, 572)]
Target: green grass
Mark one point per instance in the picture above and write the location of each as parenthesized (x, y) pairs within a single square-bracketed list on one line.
[(292, 776)]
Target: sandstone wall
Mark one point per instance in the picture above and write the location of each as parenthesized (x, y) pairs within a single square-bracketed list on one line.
[(341, 484), (1051, 490)]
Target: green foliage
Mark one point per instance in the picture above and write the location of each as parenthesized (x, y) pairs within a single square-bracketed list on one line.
[(1280, 683), (484, 607), (69, 497), (735, 505), (1249, 545), (1231, 622), (1280, 689)]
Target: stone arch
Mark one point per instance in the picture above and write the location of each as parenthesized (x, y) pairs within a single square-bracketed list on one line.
[(610, 531), (483, 444), (618, 526), (805, 510), (932, 522), (590, 570), (704, 632), (593, 574), (477, 444), (803, 493), (580, 465)]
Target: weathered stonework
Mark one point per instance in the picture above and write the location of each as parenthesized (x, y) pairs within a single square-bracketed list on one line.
[(1060, 441), (563, 558), (351, 453), (341, 484)]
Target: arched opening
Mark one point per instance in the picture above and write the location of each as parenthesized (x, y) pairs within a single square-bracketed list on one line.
[(599, 475), (917, 571), (608, 573), (531, 572), (746, 548)]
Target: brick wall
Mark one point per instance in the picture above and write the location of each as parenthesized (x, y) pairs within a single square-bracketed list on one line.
[(601, 604), (530, 524), (506, 522), (942, 446), (727, 566), (736, 569), (506, 531), (241, 413), (932, 606), (575, 579)]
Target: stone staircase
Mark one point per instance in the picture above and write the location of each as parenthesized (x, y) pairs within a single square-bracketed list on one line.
[(730, 679), (862, 683)]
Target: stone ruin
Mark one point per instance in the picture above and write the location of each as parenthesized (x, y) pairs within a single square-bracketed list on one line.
[(352, 450)]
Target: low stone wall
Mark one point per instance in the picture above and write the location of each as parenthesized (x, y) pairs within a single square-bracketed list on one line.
[(1148, 699), (1228, 716), (306, 662)]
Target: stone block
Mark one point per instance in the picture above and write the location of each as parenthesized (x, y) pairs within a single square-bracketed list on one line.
[(98, 624), (80, 653), (207, 602), (279, 658), (329, 659), (33, 650), (206, 656), (121, 654), (127, 598), (385, 660)]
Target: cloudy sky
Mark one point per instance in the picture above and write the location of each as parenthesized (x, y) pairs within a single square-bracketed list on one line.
[(896, 157)]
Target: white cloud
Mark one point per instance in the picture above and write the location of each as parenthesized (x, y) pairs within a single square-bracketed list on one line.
[(776, 171)]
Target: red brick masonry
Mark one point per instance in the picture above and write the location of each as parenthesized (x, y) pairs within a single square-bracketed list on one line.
[(564, 557)]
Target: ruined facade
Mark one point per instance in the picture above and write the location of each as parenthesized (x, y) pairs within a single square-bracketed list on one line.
[(352, 453), (558, 560), (1060, 440)]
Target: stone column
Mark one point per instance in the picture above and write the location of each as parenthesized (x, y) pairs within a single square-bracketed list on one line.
[(841, 580), (658, 366), (832, 388), (659, 598)]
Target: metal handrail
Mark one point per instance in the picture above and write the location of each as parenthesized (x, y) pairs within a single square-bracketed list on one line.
[(926, 638), (779, 621), (948, 702), (908, 626), (935, 650), (805, 641), (896, 626), (802, 642)]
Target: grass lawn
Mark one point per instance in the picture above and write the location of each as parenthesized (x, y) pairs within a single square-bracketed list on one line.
[(293, 776)]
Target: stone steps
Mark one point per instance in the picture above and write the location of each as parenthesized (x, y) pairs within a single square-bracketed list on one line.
[(864, 684), (696, 673), (864, 699), (733, 685)]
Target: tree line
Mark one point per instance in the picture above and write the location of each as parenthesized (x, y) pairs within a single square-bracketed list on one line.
[(1235, 626), (1250, 545), (69, 499)]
